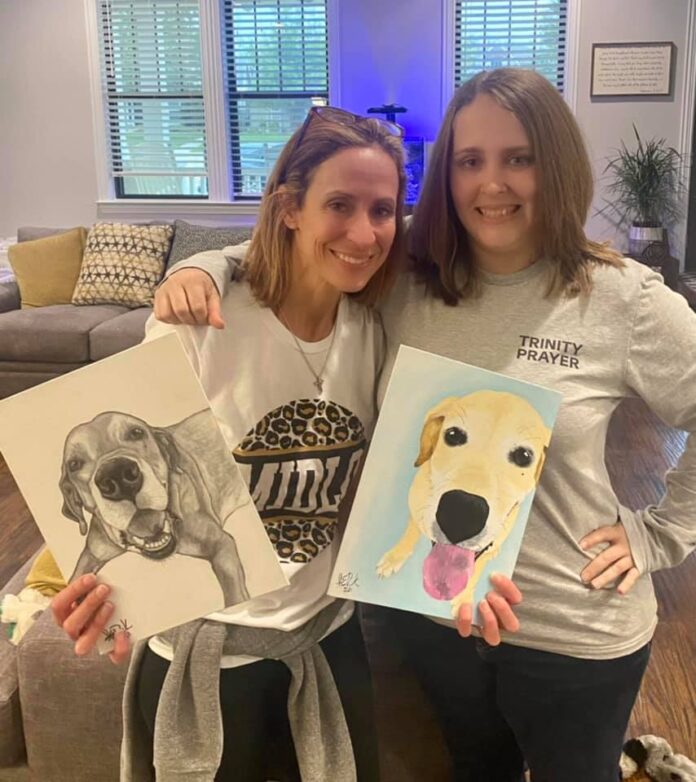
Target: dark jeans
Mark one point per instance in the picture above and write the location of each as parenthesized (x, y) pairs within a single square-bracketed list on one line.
[(258, 743), (497, 705)]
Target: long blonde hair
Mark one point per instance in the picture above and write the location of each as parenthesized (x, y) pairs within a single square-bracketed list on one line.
[(268, 260), (439, 244)]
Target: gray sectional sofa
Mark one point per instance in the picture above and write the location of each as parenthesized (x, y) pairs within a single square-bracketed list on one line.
[(42, 343), (45, 342)]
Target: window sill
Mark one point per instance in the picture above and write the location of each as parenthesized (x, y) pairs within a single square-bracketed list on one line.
[(214, 212)]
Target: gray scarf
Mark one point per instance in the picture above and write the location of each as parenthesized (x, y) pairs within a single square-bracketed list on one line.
[(188, 728)]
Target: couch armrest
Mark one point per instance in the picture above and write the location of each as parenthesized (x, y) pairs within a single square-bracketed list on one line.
[(9, 296), (71, 707), (11, 732)]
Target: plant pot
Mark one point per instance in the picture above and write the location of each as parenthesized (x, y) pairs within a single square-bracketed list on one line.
[(639, 237)]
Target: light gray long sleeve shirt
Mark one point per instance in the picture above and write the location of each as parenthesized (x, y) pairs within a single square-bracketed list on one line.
[(631, 337)]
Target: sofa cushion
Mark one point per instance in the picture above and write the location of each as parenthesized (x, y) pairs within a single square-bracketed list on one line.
[(56, 334), (122, 264), (28, 233), (9, 296), (118, 333), (71, 707), (190, 239), (47, 269), (11, 732)]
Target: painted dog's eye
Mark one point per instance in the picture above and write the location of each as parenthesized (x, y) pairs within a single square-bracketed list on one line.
[(135, 433), (75, 464), (455, 436), (521, 456)]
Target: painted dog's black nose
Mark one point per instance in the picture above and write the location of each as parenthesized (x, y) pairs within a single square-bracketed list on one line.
[(461, 515), (119, 479)]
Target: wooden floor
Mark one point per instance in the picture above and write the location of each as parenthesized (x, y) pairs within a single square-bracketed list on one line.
[(639, 450)]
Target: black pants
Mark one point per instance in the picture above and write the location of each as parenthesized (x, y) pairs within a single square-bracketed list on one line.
[(497, 705), (258, 743)]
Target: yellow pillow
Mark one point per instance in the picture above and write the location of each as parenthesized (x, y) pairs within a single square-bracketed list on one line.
[(45, 576), (47, 269)]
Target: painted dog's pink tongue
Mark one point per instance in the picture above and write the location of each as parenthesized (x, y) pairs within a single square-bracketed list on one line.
[(446, 570)]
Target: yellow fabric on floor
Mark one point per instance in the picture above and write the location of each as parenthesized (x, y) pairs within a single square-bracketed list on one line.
[(44, 576)]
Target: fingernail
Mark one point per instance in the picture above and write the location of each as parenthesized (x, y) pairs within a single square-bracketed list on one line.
[(102, 590), (81, 646), (89, 580)]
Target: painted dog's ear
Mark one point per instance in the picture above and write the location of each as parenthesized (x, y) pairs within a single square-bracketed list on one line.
[(72, 502), (540, 465), (428, 438), (170, 452), (431, 430)]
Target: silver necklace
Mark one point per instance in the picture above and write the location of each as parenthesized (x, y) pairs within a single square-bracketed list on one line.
[(318, 377)]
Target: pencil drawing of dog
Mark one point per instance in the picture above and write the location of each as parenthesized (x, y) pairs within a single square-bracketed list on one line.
[(147, 493), (480, 456)]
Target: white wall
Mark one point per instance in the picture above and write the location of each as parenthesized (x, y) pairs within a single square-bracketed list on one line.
[(606, 121), (47, 168), (390, 50)]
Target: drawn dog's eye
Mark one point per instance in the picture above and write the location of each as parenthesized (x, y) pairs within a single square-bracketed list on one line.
[(455, 436), (75, 464), (135, 433), (521, 456)]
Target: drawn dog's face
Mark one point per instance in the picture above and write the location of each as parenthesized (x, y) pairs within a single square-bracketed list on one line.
[(483, 454), (118, 467)]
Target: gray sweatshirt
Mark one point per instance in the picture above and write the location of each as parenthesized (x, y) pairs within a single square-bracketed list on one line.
[(631, 337)]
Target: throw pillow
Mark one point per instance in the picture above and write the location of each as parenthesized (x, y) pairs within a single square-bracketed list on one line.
[(47, 269), (190, 239), (122, 264)]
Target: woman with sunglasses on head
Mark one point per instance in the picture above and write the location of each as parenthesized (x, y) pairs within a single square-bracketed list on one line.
[(503, 277), (280, 681)]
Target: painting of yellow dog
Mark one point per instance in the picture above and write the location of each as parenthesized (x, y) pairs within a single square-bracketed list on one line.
[(454, 463)]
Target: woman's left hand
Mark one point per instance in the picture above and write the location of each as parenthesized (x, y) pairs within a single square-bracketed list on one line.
[(613, 562), (495, 610)]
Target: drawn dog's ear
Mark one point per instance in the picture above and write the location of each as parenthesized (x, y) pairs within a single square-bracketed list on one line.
[(431, 430), (169, 449), (540, 465), (72, 502)]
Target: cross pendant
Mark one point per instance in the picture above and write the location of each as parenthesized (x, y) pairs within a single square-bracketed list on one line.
[(319, 384)]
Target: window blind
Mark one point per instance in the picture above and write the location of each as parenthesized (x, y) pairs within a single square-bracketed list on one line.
[(276, 61), (152, 82), (510, 33)]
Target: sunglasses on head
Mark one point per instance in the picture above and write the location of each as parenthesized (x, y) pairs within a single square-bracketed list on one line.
[(342, 117)]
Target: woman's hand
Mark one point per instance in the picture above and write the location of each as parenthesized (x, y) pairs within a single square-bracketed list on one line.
[(189, 296), (82, 610), (495, 609), (613, 562)]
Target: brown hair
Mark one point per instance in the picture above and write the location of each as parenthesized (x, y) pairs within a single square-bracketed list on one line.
[(439, 245), (268, 260)]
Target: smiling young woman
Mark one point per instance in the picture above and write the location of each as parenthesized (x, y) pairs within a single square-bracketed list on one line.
[(504, 277)]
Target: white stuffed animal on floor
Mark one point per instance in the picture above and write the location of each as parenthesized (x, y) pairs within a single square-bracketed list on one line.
[(20, 611), (655, 756)]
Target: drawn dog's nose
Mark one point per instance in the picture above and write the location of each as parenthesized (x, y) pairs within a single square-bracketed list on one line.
[(461, 515), (119, 479)]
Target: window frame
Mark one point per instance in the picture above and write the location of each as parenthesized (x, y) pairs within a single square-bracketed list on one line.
[(449, 13), (219, 202)]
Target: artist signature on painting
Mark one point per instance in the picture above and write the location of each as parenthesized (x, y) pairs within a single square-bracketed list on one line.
[(111, 630), (346, 581)]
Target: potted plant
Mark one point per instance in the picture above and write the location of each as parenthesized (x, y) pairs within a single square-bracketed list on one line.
[(647, 184)]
